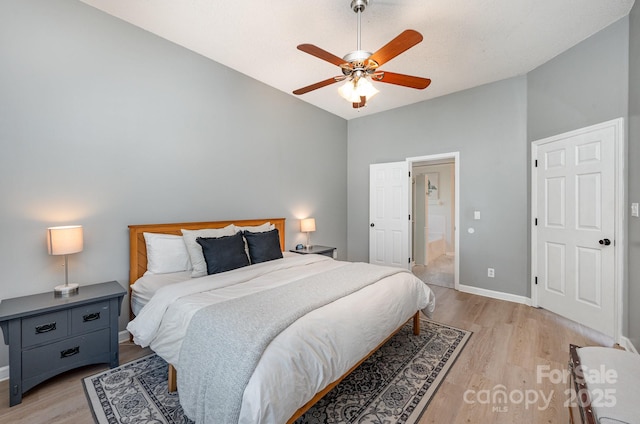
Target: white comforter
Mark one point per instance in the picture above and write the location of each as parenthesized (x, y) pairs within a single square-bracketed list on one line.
[(307, 356)]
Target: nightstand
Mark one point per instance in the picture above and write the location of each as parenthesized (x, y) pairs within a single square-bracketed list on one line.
[(48, 335), (319, 250)]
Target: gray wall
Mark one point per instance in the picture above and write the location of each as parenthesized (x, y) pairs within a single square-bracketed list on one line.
[(105, 125), (487, 125), (492, 127), (634, 175), (583, 86)]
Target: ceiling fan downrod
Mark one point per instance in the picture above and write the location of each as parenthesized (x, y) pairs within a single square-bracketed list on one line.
[(358, 6), (357, 57)]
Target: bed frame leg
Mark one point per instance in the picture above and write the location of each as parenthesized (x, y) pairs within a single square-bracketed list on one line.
[(173, 379), (416, 323)]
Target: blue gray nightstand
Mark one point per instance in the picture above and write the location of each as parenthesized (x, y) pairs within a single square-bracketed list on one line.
[(318, 250), (48, 335)]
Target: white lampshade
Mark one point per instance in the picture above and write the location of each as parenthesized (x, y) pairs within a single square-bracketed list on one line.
[(353, 89), (307, 225), (64, 240)]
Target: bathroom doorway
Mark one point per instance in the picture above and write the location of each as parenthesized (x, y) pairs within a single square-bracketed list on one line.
[(433, 223)]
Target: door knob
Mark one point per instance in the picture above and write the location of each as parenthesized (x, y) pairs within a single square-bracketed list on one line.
[(373, 225), (605, 242)]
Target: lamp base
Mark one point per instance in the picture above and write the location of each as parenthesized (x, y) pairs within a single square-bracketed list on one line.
[(66, 290)]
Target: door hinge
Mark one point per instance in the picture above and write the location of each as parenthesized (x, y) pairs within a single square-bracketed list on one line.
[(536, 163), (409, 261), (409, 174), (536, 281), (409, 217), (535, 222)]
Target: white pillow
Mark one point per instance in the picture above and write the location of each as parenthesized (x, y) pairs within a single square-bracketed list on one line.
[(195, 250), (166, 253), (267, 226)]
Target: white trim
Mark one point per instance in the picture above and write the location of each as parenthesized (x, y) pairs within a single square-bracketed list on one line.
[(4, 373), (626, 343), (621, 242), (123, 336), (619, 215), (495, 294), (456, 165)]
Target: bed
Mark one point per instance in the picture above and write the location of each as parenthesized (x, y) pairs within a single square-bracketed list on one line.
[(302, 362)]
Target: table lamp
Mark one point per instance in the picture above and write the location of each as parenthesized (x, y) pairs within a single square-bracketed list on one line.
[(308, 225), (65, 241)]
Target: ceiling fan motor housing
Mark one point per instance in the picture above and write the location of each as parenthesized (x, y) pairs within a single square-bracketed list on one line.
[(359, 5)]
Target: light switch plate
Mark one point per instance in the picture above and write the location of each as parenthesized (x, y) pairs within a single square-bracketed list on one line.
[(634, 209), (476, 214)]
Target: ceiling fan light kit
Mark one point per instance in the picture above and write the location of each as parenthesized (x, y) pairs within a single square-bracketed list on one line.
[(354, 89), (360, 67)]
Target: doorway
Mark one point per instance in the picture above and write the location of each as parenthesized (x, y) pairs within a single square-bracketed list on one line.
[(434, 218), (577, 234)]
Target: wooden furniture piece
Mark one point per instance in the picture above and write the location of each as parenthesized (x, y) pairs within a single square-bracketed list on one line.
[(138, 248), (138, 252), (603, 385), (580, 409), (48, 335), (318, 250), (138, 266)]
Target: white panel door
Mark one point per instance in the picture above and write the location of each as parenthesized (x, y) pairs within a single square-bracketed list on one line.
[(389, 214), (574, 207)]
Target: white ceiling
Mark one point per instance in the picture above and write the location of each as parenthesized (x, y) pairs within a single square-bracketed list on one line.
[(466, 42)]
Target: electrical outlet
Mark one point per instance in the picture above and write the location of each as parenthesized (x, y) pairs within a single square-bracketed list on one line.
[(491, 272)]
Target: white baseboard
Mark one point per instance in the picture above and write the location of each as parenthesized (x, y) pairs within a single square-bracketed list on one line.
[(626, 343), (123, 336), (4, 373), (495, 294)]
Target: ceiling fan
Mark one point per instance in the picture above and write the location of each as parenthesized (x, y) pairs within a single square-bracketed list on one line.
[(359, 66)]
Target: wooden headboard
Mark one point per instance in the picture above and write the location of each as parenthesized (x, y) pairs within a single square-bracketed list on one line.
[(138, 248)]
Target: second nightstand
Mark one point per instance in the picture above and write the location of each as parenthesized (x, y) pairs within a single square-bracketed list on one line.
[(318, 250)]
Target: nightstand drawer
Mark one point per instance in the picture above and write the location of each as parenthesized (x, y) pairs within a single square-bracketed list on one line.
[(89, 318), (64, 354), (44, 328), (48, 335)]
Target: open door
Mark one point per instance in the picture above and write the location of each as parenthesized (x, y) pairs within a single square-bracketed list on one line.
[(389, 219)]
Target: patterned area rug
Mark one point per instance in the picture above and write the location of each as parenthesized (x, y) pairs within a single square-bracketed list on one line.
[(394, 385)]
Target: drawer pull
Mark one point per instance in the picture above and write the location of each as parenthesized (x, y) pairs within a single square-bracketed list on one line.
[(45, 328), (91, 317), (70, 352)]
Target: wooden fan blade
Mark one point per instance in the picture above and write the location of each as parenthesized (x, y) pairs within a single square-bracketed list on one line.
[(316, 85), (321, 54), (363, 101), (393, 48), (401, 79)]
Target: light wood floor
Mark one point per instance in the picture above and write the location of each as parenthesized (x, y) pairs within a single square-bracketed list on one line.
[(509, 341)]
